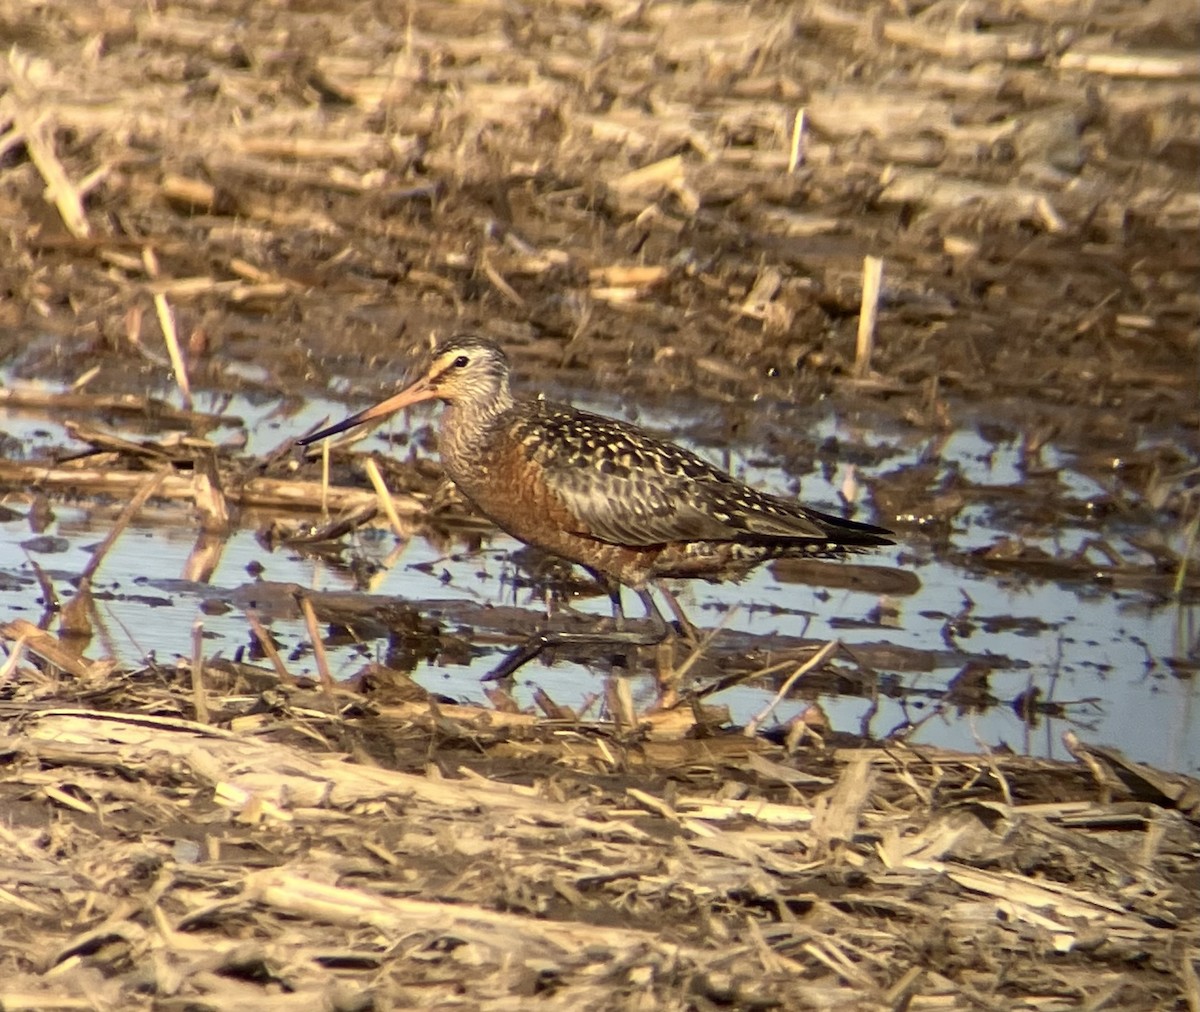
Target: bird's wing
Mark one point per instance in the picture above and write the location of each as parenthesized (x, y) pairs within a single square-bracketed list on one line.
[(627, 488), (629, 510)]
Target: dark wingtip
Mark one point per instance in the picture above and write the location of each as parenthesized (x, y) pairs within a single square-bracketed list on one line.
[(854, 533)]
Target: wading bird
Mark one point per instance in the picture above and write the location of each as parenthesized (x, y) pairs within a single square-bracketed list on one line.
[(602, 493)]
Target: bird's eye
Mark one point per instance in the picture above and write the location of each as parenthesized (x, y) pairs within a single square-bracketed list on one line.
[(461, 362)]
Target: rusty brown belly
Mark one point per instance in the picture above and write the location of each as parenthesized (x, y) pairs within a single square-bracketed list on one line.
[(530, 512), (537, 517)]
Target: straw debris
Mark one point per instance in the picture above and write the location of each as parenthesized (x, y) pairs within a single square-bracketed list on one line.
[(152, 857)]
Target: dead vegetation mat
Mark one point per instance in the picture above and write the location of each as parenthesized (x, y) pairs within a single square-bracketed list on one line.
[(607, 187), (287, 854)]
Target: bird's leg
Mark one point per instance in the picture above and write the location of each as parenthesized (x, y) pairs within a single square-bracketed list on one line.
[(688, 630), (618, 609), (547, 638), (620, 660), (613, 589)]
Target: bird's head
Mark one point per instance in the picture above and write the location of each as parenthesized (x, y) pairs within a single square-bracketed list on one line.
[(464, 370)]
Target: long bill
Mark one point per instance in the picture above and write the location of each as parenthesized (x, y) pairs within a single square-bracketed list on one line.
[(421, 390)]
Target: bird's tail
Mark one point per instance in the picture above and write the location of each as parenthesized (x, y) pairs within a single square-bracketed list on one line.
[(849, 533)]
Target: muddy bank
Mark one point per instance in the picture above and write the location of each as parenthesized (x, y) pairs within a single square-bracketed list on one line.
[(608, 189)]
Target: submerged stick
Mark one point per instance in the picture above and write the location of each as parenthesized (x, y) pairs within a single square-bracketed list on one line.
[(270, 493), (268, 647), (324, 477), (815, 661), (148, 488), (75, 619), (1181, 573)]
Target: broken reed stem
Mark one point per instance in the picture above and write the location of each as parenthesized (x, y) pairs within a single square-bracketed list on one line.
[(50, 599), (83, 380), (815, 661), (199, 696), (1102, 775), (75, 620), (868, 314), (1143, 65), (502, 286), (268, 647), (620, 702), (14, 658), (1189, 546), (545, 702), (796, 152), (208, 496), (670, 676), (166, 320), (322, 661), (40, 144), (677, 676), (385, 497)]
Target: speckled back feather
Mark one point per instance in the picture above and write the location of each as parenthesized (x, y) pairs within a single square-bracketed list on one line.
[(605, 493)]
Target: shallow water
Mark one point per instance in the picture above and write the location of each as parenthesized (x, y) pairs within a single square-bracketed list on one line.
[(1121, 662)]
